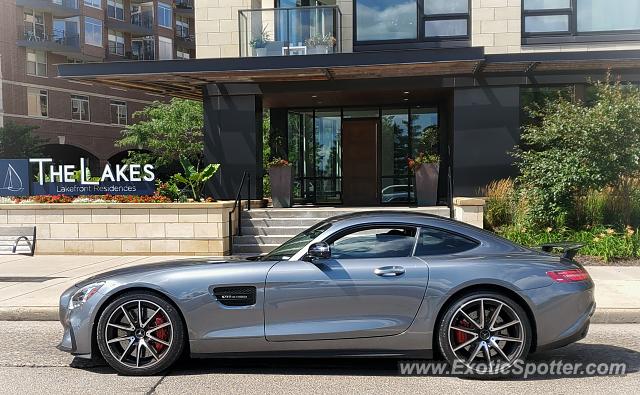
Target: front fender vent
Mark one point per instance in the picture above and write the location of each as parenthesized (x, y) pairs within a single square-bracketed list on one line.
[(235, 296)]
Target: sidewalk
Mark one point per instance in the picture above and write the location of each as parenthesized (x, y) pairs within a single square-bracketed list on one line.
[(41, 280)]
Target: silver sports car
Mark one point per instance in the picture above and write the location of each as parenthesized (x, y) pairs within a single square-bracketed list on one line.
[(381, 284)]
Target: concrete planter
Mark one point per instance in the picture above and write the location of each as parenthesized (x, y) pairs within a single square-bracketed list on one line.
[(281, 178), (260, 51), (427, 184), (318, 50), (125, 228)]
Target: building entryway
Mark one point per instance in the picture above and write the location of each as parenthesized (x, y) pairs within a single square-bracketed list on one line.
[(359, 162)]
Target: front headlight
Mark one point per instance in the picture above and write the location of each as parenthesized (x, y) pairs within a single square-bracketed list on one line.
[(84, 294)]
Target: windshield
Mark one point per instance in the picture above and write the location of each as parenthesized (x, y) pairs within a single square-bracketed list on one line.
[(293, 245)]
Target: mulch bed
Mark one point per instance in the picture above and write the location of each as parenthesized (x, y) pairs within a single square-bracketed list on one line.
[(596, 261)]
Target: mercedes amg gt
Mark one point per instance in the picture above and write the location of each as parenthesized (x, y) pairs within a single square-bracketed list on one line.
[(374, 284)]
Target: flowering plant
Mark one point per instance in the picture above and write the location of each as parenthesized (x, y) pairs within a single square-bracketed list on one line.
[(421, 159), (278, 162)]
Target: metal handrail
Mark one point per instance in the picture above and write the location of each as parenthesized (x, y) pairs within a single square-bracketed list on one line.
[(238, 205)]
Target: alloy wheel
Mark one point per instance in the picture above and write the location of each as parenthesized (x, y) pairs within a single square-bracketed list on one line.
[(139, 333), (486, 333)]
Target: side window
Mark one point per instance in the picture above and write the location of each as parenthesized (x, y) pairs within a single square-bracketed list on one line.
[(439, 242), (374, 242)]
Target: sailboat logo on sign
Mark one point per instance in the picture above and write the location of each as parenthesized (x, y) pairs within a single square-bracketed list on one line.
[(13, 177)]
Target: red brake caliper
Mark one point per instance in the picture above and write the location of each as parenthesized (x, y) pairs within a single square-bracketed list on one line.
[(161, 333), (460, 336)]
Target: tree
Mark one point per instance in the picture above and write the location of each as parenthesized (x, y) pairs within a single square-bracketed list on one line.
[(575, 148), (18, 141), (168, 131)]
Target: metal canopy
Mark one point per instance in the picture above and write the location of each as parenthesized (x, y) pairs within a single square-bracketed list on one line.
[(185, 78)]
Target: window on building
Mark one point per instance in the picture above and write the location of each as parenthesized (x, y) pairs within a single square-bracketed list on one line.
[(80, 108), (92, 31), (182, 54), (165, 18), (36, 63), (115, 9), (574, 17), (182, 26), (165, 48), (379, 20), (446, 19), (116, 42), (118, 112), (93, 3), (37, 102), (34, 29)]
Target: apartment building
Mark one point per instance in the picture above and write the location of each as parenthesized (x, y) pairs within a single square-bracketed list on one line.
[(82, 119), (349, 82)]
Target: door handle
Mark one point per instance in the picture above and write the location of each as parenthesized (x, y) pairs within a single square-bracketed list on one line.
[(389, 271)]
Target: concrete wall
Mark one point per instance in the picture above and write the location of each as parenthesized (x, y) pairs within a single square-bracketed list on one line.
[(125, 228), (495, 25)]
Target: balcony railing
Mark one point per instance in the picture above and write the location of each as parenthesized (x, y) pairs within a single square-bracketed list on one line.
[(58, 8), (184, 4), (290, 31), (57, 39), (143, 20)]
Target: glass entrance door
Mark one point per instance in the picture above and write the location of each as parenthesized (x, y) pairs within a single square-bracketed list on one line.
[(324, 156)]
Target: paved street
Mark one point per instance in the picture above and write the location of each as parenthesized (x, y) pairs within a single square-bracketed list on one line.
[(29, 363)]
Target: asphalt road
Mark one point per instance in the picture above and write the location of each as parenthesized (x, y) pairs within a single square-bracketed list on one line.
[(29, 363)]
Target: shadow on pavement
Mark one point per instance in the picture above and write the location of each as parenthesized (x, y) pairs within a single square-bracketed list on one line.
[(576, 353)]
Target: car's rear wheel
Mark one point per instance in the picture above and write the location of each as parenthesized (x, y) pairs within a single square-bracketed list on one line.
[(485, 332), (140, 333)]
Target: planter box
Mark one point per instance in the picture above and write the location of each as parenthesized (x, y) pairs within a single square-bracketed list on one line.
[(125, 228), (281, 178), (427, 184)]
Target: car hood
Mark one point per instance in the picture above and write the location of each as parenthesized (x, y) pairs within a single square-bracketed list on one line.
[(144, 269)]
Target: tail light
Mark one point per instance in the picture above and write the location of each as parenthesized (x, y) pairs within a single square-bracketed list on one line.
[(569, 276)]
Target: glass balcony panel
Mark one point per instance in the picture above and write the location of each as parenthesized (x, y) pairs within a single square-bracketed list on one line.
[(290, 31)]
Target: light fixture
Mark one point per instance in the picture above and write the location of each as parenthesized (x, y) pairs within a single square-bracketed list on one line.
[(406, 92), (314, 96), (405, 99)]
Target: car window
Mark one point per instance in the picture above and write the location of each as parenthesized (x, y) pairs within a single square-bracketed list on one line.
[(295, 244), (374, 242), (434, 241)]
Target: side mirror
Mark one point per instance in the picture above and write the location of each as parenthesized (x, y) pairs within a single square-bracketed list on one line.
[(319, 250)]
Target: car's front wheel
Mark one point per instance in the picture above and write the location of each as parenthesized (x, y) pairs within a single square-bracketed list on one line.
[(140, 333), (485, 332)]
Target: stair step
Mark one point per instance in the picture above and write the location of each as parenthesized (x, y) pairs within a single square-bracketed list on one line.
[(279, 222), (259, 239), (253, 248), (292, 213), (289, 231)]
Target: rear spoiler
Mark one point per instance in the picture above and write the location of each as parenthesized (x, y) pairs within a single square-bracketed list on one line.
[(569, 250)]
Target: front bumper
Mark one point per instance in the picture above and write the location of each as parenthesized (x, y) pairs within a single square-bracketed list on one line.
[(77, 325)]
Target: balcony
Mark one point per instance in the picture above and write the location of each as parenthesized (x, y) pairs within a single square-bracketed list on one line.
[(58, 41), (290, 31), (184, 7), (140, 24), (185, 40), (57, 8)]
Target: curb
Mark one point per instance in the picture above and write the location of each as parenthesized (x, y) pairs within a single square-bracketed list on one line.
[(44, 313)]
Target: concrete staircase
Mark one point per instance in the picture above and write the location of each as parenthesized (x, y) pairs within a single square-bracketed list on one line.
[(266, 228)]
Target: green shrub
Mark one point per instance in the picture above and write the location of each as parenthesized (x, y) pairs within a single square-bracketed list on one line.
[(577, 148), (602, 242), (500, 202)]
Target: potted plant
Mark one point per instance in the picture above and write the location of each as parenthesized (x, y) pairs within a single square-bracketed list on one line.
[(259, 43), (281, 178), (426, 168), (320, 44)]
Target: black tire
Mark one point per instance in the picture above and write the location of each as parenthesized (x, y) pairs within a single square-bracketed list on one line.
[(169, 355), (448, 339)]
